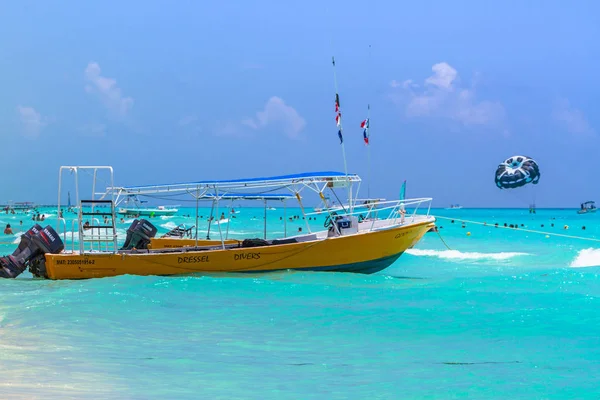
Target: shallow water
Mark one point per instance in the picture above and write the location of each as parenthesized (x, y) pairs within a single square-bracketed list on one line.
[(501, 314)]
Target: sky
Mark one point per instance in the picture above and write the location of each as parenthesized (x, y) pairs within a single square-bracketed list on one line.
[(170, 91)]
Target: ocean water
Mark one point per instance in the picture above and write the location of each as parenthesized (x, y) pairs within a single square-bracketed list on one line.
[(474, 312)]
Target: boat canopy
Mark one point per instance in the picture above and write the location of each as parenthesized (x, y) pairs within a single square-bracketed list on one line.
[(249, 196), (329, 178)]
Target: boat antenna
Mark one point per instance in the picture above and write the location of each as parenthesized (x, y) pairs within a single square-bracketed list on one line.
[(365, 125), (366, 135), (338, 115), (338, 120)]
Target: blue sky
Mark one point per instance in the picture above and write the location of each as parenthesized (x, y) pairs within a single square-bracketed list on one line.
[(186, 90)]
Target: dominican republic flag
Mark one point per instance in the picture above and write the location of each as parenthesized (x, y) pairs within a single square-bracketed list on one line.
[(365, 126)]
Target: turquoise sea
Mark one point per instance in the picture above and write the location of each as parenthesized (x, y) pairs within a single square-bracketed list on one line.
[(500, 313)]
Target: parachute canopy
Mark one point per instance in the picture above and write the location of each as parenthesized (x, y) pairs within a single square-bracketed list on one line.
[(517, 171)]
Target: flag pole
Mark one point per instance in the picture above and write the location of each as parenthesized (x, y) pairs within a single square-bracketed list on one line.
[(369, 134), (339, 115), (368, 151), (340, 133)]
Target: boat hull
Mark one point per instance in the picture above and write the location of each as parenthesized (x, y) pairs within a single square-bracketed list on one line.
[(586, 211), (362, 253)]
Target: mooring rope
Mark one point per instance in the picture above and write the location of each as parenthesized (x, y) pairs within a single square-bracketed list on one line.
[(520, 229), (442, 239)]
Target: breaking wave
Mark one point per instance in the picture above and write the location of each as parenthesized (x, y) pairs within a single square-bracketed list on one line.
[(459, 255), (586, 258)]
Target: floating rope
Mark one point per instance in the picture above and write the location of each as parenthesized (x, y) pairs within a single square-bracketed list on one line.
[(520, 229)]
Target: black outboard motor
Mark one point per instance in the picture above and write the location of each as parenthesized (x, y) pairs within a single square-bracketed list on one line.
[(13, 265), (139, 234), (34, 244), (26, 238), (47, 241)]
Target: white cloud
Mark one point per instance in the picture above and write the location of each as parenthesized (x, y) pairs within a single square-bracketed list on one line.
[(32, 121), (442, 96), (406, 84), (443, 77), (277, 113), (93, 130), (572, 119), (107, 89)]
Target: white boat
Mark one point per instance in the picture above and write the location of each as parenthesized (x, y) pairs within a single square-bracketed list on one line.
[(133, 206), (454, 207), (587, 208), (149, 211)]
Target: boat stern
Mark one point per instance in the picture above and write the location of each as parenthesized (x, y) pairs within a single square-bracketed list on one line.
[(31, 252)]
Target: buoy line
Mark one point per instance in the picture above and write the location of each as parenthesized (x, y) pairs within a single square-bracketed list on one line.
[(521, 229)]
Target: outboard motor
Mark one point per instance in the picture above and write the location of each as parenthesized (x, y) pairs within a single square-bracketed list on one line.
[(139, 234), (26, 238), (47, 241), (35, 243)]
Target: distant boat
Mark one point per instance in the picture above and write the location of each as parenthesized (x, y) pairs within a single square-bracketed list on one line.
[(587, 207), (454, 207), (151, 211), (136, 209), (24, 206)]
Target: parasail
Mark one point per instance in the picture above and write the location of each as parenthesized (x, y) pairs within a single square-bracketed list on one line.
[(517, 171)]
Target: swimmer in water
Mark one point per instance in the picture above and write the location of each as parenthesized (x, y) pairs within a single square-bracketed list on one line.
[(8, 230)]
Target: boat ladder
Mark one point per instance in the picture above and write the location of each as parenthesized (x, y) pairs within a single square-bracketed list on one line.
[(101, 233)]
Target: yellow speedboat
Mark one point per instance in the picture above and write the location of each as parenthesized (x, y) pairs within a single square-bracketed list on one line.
[(352, 241)]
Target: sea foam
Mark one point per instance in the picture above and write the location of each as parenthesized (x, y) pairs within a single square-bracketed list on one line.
[(589, 257), (459, 255)]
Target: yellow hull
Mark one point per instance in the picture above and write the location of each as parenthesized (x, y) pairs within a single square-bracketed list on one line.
[(364, 252)]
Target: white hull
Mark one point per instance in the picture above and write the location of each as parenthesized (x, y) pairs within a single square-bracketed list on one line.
[(147, 211), (586, 211)]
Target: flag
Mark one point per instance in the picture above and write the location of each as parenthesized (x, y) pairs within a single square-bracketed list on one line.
[(403, 191), (365, 126), (338, 117)]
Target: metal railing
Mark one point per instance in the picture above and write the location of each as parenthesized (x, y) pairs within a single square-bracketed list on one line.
[(396, 211)]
